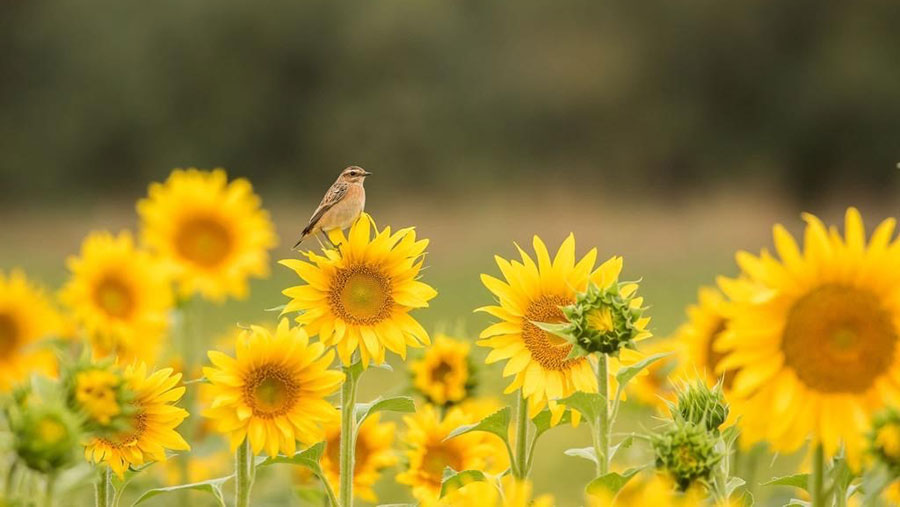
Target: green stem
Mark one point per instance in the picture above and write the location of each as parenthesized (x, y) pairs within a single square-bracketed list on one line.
[(521, 464), (243, 472), (10, 478), (48, 489), (603, 424), (332, 498), (188, 343), (104, 487), (817, 478), (348, 435)]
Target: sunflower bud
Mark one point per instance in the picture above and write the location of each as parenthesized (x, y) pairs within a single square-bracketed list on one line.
[(687, 452), (884, 439), (97, 391), (603, 320), (45, 433), (700, 404)]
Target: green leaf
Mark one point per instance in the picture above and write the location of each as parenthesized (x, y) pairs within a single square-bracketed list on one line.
[(733, 484), (611, 482), (795, 502), (797, 480), (456, 480), (279, 308), (587, 453), (624, 444), (201, 380), (496, 423), (627, 373), (309, 495), (542, 421), (308, 458), (212, 486), (561, 329), (403, 404), (588, 404)]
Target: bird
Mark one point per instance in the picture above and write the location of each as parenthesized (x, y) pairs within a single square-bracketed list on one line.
[(343, 203)]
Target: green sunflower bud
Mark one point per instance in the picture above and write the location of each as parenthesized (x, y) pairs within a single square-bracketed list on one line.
[(884, 439), (97, 391), (46, 434), (603, 320), (687, 452), (700, 404)]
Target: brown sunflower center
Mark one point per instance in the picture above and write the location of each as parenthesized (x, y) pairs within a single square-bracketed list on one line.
[(713, 356), (550, 351), (203, 241), (361, 295), (839, 339), (9, 334), (114, 297), (438, 457), (439, 373), (270, 391)]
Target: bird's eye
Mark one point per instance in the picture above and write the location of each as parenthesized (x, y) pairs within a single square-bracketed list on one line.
[(354, 173)]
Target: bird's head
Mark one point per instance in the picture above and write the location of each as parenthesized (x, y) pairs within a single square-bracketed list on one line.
[(354, 174)]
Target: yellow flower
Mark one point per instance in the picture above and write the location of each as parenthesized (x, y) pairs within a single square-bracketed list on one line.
[(373, 454), (658, 490), (887, 439), (213, 235), (697, 339), (152, 424), (121, 296), (534, 292), (360, 295), (516, 493), (26, 317), (95, 393), (655, 388), (442, 375), (429, 454), (198, 469), (814, 335), (273, 391)]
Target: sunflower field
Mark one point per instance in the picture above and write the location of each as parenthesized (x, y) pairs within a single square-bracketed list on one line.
[(125, 385)]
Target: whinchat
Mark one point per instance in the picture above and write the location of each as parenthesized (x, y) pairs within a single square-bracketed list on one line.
[(343, 203)]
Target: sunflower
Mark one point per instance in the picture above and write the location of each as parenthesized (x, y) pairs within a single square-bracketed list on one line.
[(120, 295), (429, 454), (442, 375), (814, 335), (696, 339), (373, 454), (273, 391), (360, 295), (212, 235), (26, 317), (152, 424), (534, 292), (657, 490), (516, 493)]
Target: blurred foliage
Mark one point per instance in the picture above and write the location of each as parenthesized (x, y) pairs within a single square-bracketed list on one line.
[(103, 95)]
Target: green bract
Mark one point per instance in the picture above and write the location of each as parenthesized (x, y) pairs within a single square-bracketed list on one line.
[(699, 404), (884, 439), (45, 433), (688, 452), (601, 320)]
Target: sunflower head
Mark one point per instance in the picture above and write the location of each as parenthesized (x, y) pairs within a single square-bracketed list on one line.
[(150, 427), (602, 320), (515, 493), (97, 390), (211, 234), (702, 405), (445, 373), (45, 432), (698, 338), (120, 295), (687, 452), (273, 391), (884, 439), (359, 296), (26, 318)]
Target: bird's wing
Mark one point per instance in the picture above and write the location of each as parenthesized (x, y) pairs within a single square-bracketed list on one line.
[(332, 197)]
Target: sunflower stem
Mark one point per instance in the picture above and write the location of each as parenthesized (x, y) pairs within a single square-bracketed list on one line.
[(10, 479), (817, 478), (348, 435), (103, 490), (48, 489), (243, 473), (603, 424), (521, 466)]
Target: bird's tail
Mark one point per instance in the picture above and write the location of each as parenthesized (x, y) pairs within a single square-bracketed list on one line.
[(303, 235)]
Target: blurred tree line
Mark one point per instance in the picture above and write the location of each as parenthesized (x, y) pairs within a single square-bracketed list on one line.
[(103, 95)]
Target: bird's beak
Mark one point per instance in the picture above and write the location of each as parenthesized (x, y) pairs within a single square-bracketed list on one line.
[(366, 173)]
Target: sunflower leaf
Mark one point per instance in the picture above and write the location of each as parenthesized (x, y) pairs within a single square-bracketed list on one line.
[(588, 453), (212, 486), (454, 481), (624, 444), (279, 309), (403, 404), (612, 482), (543, 418), (308, 495), (308, 458), (797, 480), (627, 373), (496, 423), (588, 404)]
